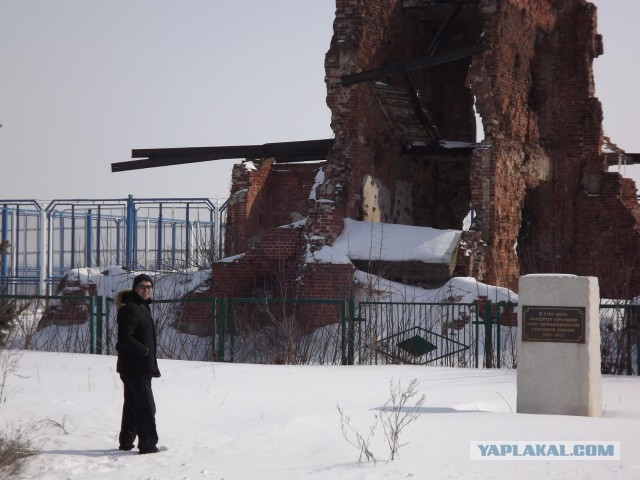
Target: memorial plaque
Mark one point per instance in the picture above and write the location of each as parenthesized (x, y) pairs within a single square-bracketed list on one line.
[(553, 324)]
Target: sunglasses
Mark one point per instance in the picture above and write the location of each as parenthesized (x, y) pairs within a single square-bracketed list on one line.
[(145, 287)]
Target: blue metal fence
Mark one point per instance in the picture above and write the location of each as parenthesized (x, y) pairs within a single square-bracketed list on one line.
[(157, 234)]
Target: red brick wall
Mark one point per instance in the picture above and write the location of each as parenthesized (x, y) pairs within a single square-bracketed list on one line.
[(269, 196), (371, 34), (246, 214), (543, 182), (324, 281), (608, 237), (542, 199), (541, 176), (267, 270), (501, 80), (69, 312)]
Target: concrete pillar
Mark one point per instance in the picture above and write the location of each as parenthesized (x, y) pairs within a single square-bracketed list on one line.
[(559, 345)]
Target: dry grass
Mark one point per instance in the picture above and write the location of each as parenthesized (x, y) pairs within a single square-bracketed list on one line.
[(15, 447)]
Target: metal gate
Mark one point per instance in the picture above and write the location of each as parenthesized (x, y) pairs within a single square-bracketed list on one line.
[(443, 334)]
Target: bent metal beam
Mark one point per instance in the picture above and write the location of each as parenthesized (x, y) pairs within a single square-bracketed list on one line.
[(283, 152)]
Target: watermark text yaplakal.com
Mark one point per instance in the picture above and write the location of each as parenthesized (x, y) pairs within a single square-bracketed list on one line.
[(544, 450)]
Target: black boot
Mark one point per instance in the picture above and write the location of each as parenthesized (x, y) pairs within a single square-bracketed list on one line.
[(144, 451)]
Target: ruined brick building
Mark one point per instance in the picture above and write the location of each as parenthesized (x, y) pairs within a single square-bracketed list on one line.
[(406, 81), (403, 77)]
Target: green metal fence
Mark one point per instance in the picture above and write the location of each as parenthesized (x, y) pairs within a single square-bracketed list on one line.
[(620, 338), (282, 330), (259, 330), (445, 334), (56, 323), (255, 330), (203, 340)]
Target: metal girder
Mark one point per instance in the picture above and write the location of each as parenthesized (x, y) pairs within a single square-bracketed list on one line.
[(435, 43), (283, 152), (440, 153), (422, 114), (428, 61)]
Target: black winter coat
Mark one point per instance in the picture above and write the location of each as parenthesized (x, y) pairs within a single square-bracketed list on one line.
[(136, 344)]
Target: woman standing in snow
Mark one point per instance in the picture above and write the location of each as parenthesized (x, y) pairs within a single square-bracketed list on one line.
[(137, 365)]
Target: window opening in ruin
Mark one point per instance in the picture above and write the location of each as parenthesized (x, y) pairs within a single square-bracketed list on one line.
[(468, 220), (265, 286), (479, 124)]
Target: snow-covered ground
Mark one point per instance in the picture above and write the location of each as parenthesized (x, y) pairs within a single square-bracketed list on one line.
[(243, 421), (238, 421)]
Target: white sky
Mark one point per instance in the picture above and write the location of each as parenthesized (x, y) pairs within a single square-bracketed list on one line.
[(85, 81)]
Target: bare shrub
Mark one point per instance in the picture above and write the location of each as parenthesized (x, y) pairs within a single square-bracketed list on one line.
[(270, 332), (397, 413), (618, 338), (15, 446), (394, 416), (8, 365), (355, 438)]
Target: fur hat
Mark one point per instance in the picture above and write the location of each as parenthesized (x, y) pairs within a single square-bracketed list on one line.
[(143, 277)]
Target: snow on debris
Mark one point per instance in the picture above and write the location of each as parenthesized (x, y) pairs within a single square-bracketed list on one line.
[(389, 242)]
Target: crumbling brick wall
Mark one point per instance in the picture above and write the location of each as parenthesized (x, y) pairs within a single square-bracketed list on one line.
[(542, 185), (367, 177), (265, 195), (62, 312), (502, 79), (538, 185), (267, 270)]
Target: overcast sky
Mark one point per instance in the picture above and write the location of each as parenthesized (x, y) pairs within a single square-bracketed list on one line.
[(82, 82)]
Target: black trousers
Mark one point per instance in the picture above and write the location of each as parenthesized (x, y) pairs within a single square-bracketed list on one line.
[(138, 413)]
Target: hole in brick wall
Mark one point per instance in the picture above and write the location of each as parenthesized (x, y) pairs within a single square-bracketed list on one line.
[(479, 125), (265, 286)]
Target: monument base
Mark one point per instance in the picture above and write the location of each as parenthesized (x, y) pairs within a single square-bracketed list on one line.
[(559, 345)]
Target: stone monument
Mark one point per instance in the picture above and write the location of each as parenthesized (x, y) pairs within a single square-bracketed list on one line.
[(559, 345)]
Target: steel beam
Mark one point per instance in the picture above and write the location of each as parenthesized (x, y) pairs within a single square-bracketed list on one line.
[(428, 61), (283, 152)]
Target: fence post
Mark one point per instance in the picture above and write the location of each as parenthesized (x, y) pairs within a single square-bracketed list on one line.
[(488, 336), (499, 306), (98, 234), (232, 329), (477, 335), (3, 258), (73, 237), (160, 246), (92, 333), (16, 247), (187, 255), (99, 325), (212, 304), (43, 271), (128, 234), (88, 239), (107, 329), (638, 345), (351, 334), (222, 311), (633, 317)]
